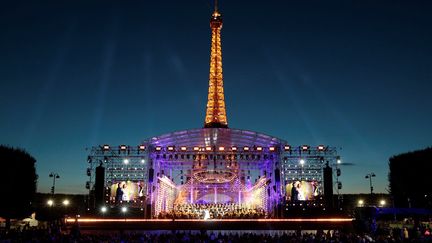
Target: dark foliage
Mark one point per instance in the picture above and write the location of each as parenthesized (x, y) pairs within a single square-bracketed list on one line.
[(18, 182), (410, 178)]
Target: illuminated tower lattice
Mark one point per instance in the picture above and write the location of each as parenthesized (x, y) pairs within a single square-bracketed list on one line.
[(216, 114)]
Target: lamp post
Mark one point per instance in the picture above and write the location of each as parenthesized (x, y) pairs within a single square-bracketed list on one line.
[(50, 204), (103, 210), (124, 210), (369, 176), (338, 183), (66, 204), (54, 176)]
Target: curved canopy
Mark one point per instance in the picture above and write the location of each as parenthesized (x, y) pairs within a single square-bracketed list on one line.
[(215, 137)]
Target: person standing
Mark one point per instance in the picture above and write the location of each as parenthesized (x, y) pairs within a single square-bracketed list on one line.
[(125, 194), (300, 195), (140, 191), (405, 233), (294, 192), (119, 193)]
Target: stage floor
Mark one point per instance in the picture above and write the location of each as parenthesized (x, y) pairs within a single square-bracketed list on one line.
[(211, 224)]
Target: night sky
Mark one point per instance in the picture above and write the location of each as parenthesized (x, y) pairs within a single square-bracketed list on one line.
[(352, 74)]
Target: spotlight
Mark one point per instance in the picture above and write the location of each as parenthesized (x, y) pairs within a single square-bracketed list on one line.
[(233, 148), (302, 161), (258, 148), (103, 209), (196, 148), (305, 147), (246, 148), (142, 147), (338, 160), (123, 147), (221, 148), (287, 147), (124, 209), (142, 161), (208, 148), (126, 161), (183, 148), (106, 147), (170, 148), (50, 202), (158, 148), (272, 148), (321, 147), (66, 202)]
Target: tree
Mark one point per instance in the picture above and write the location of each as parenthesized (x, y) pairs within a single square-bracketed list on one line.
[(18, 183), (410, 178)]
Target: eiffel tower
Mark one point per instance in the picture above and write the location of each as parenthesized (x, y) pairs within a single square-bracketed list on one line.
[(216, 113)]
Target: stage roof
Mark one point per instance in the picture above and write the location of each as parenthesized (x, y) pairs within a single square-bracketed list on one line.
[(215, 137)]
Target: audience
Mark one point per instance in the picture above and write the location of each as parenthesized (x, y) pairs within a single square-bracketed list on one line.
[(47, 235)]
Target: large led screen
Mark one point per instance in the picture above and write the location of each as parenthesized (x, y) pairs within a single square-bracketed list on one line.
[(127, 191), (302, 190)]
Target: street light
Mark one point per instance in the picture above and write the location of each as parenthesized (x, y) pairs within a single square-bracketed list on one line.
[(124, 210), (50, 202), (360, 203), (382, 203), (54, 176), (369, 176), (66, 202)]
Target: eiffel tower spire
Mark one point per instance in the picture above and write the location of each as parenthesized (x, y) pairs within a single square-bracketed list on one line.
[(216, 113)]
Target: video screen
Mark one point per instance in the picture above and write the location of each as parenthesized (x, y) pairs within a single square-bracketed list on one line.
[(127, 191), (302, 190)]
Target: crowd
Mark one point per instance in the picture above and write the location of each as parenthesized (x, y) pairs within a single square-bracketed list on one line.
[(39, 235), (213, 211)]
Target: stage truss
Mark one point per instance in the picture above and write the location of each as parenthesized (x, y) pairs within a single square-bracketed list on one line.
[(305, 163), (121, 163), (188, 169)]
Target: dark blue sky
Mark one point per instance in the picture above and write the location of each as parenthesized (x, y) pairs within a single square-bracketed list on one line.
[(351, 74)]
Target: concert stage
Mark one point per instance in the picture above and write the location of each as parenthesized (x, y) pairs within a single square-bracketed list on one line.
[(214, 172), (212, 224)]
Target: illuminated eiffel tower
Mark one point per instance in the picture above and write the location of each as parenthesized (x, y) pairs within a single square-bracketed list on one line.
[(216, 113)]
